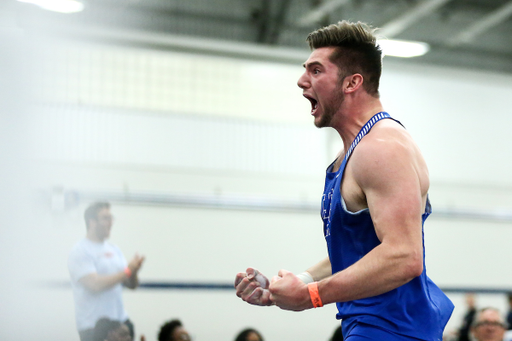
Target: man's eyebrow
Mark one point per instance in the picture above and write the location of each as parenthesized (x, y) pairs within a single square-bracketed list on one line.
[(310, 64)]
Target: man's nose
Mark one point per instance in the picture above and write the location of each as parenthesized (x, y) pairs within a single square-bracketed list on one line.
[(303, 82)]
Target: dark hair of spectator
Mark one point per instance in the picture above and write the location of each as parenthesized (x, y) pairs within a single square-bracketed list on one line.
[(243, 334), (167, 328)]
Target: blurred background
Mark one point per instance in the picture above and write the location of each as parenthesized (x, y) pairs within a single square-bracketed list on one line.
[(186, 116)]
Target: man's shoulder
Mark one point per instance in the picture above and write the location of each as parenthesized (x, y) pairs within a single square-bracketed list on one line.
[(388, 131), (87, 251), (387, 152), (384, 144), (81, 250), (85, 246)]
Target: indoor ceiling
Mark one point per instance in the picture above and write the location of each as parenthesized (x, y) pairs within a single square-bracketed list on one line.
[(473, 34)]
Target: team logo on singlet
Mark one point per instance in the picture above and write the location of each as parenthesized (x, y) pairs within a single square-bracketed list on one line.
[(326, 211)]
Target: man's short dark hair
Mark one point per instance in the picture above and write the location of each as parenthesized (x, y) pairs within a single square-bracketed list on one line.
[(356, 51), (167, 329), (92, 211)]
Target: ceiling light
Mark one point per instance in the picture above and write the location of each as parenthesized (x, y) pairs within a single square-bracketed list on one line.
[(62, 6), (403, 48)]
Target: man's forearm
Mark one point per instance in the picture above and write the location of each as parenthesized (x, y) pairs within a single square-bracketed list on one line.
[(381, 270), (321, 269), (97, 283)]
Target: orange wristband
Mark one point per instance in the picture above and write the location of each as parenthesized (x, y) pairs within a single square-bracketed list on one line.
[(313, 293), (128, 272)]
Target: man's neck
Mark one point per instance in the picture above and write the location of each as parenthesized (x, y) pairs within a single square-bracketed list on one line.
[(93, 238), (354, 116)]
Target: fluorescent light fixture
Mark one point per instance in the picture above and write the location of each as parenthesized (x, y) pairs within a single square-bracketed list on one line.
[(62, 6), (403, 48)]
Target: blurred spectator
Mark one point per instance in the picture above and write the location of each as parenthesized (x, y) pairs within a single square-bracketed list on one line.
[(509, 313), (110, 330), (488, 325), (173, 331), (98, 272), (337, 335), (468, 317), (249, 334)]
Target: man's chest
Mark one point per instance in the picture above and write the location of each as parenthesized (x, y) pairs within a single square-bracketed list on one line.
[(107, 261)]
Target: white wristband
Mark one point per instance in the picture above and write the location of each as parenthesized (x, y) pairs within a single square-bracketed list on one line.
[(306, 277)]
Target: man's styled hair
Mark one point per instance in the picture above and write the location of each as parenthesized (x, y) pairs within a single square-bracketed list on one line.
[(356, 51), (167, 328), (92, 211)]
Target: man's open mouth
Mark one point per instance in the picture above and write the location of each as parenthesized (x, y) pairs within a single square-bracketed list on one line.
[(314, 103)]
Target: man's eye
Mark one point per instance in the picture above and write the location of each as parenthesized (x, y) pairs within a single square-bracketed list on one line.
[(316, 71)]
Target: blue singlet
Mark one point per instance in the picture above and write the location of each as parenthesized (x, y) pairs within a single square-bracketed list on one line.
[(417, 309)]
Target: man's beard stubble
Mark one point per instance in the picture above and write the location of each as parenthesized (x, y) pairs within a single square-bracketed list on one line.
[(330, 109)]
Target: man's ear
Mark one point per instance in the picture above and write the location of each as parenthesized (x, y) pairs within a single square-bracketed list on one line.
[(353, 82)]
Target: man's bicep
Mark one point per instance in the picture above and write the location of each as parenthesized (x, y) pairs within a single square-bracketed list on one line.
[(393, 193)]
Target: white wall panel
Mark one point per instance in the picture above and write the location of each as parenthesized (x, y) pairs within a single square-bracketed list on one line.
[(85, 135)]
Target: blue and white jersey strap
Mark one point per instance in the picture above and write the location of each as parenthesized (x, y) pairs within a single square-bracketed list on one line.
[(364, 130)]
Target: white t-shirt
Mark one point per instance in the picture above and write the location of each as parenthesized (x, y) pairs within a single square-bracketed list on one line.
[(89, 257)]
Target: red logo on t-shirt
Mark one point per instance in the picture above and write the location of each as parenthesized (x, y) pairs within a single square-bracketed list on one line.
[(109, 254)]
